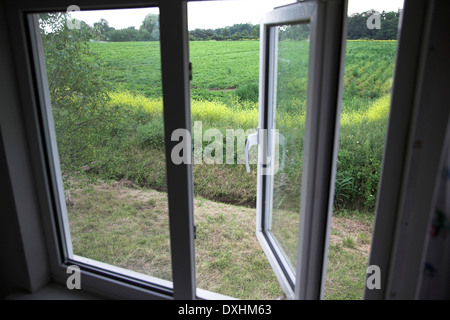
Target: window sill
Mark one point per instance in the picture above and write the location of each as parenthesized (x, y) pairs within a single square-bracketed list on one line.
[(53, 291)]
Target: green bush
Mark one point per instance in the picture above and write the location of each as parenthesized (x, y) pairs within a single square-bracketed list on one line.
[(249, 92), (151, 135), (361, 145)]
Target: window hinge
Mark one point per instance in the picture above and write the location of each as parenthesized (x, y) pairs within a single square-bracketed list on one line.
[(190, 71)]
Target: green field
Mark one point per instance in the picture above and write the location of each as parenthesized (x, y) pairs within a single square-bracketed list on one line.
[(225, 93), (126, 151)]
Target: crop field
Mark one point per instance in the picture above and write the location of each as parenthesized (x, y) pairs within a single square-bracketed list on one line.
[(121, 189), (225, 95), (222, 67)]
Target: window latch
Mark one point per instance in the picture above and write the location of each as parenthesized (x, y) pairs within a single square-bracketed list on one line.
[(252, 140)]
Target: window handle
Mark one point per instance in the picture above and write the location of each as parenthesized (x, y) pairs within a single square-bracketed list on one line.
[(252, 140)]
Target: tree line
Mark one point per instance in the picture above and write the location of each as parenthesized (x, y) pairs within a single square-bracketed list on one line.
[(241, 31), (368, 25), (148, 31), (373, 25)]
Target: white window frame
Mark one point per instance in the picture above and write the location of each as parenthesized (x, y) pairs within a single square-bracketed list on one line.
[(106, 280), (100, 278), (325, 81), (26, 142)]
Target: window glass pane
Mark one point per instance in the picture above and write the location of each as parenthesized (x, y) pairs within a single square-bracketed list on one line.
[(104, 79), (288, 116), (224, 51)]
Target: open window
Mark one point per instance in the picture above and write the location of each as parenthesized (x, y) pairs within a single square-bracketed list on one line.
[(301, 69), (35, 56), (414, 152), (300, 79)]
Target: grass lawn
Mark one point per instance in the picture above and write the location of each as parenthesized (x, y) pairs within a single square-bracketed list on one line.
[(127, 226)]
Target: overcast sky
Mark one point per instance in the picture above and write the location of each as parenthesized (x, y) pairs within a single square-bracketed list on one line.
[(216, 14)]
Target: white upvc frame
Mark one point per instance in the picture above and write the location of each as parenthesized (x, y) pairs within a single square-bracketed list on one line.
[(34, 201), (327, 20), (99, 278), (325, 77)]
